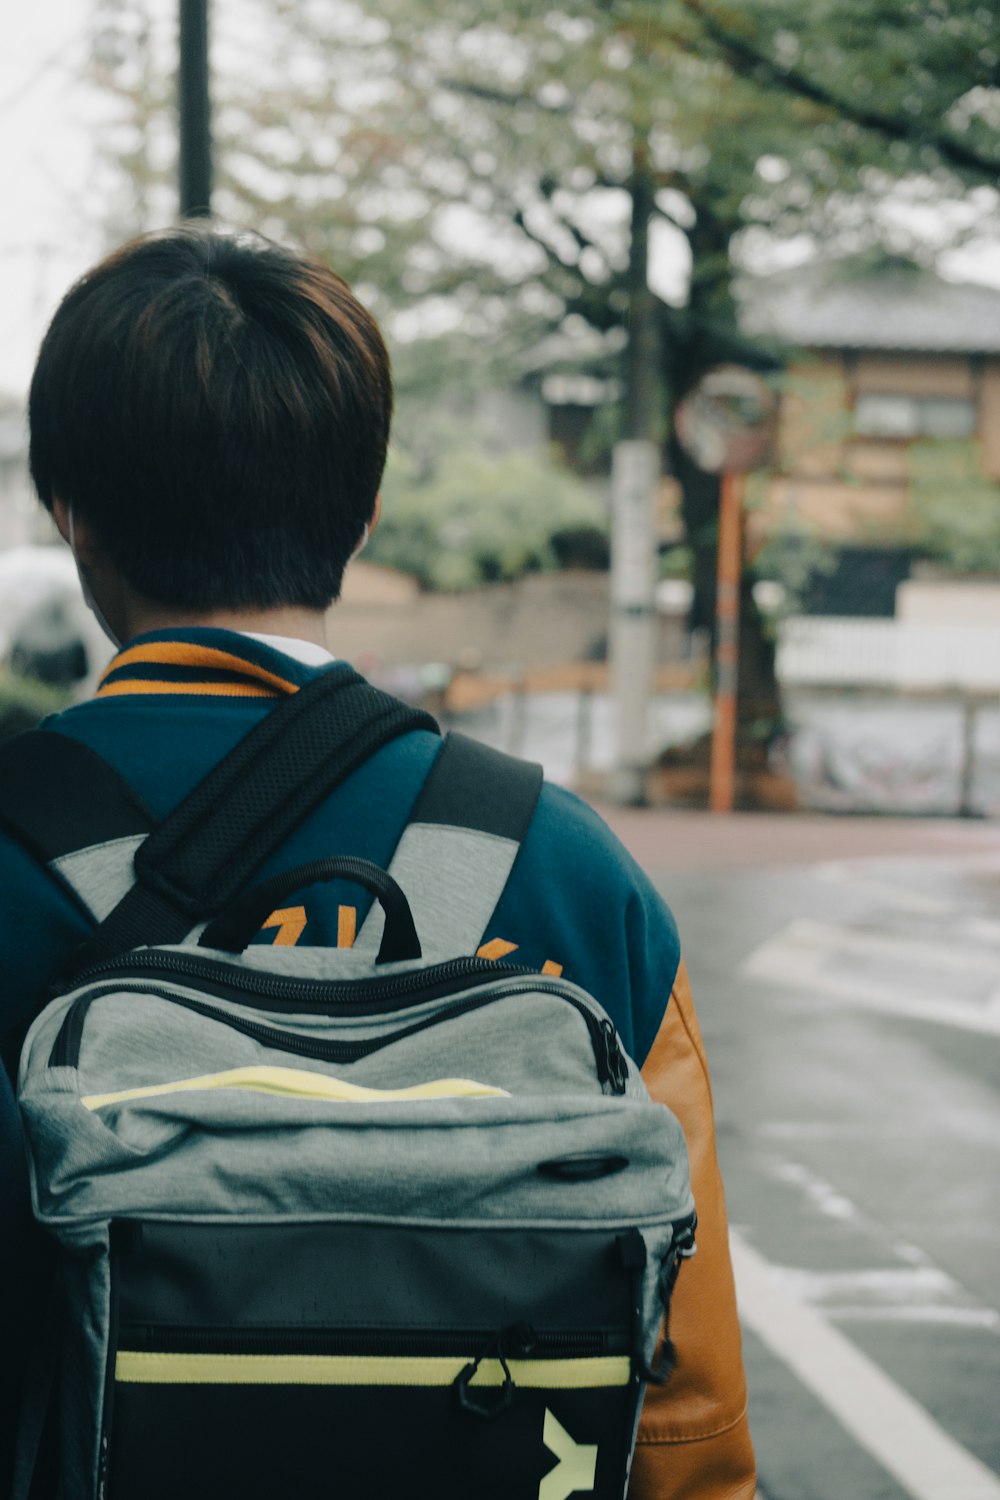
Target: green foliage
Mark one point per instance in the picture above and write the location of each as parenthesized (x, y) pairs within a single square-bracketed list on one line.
[(474, 518), (676, 562), (955, 507), (477, 162), (23, 702), (793, 556), (918, 75)]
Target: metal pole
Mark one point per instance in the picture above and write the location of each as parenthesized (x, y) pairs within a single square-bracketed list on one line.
[(635, 472), (966, 808), (194, 110), (727, 646), (635, 467)]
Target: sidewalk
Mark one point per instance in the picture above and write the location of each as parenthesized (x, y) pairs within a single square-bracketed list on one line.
[(661, 839)]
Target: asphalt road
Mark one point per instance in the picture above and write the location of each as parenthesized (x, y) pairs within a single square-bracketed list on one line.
[(847, 977)]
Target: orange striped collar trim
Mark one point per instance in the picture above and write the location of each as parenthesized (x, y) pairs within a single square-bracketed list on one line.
[(246, 678), (217, 689)]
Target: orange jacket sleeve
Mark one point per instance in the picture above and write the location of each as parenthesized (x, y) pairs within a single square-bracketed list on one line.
[(694, 1441)]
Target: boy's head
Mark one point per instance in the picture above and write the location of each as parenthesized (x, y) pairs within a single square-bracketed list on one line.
[(216, 410)]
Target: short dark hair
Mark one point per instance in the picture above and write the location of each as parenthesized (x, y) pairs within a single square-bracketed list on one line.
[(218, 409)]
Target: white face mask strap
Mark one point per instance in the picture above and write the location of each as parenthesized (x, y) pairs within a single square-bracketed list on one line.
[(87, 591)]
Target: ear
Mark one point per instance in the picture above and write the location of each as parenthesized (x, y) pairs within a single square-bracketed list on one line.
[(76, 531), (60, 514), (376, 513)]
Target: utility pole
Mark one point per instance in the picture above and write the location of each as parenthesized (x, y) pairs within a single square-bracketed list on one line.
[(722, 773), (194, 110), (635, 472)]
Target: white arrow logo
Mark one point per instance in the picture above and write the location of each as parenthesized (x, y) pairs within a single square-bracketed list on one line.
[(577, 1466)]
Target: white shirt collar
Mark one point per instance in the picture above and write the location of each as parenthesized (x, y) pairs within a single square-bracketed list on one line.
[(306, 652)]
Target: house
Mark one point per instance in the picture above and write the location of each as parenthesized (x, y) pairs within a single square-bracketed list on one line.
[(882, 359)]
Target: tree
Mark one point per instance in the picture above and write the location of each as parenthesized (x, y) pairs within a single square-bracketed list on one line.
[(921, 75), (494, 174)]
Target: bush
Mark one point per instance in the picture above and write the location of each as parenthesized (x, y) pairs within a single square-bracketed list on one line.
[(23, 701), (472, 518)]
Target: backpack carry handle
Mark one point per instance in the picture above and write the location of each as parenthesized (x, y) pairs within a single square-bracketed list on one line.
[(235, 927)]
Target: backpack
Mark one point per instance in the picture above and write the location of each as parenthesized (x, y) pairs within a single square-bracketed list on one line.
[(369, 1221)]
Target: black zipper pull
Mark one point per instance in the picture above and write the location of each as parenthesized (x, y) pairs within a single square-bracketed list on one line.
[(615, 1067), (479, 1404)]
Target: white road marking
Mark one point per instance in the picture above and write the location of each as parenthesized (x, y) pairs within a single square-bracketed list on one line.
[(983, 930), (983, 1319), (882, 1294), (859, 878), (817, 957), (914, 1290), (880, 1416), (822, 1195)]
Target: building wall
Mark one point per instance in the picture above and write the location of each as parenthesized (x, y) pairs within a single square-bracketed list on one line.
[(850, 485), (989, 417), (542, 619)]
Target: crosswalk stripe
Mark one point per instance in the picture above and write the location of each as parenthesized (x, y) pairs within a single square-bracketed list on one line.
[(887, 1422)]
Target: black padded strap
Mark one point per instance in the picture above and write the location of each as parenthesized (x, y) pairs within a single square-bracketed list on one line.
[(218, 838), (471, 785), (58, 796), (246, 808)]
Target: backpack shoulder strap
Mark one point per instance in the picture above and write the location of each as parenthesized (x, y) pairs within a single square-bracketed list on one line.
[(143, 883), (74, 814), (195, 861), (456, 853)]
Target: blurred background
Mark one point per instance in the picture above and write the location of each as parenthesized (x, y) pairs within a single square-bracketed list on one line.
[(570, 219), (565, 218)]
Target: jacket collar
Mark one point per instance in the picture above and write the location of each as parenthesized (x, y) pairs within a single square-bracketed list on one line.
[(203, 661)]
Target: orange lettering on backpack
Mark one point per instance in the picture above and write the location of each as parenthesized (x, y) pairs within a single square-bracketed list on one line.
[(291, 924), (496, 948), (347, 926)]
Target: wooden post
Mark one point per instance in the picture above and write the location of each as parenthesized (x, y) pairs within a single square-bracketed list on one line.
[(727, 646)]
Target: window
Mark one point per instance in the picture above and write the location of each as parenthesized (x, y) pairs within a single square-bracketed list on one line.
[(878, 415)]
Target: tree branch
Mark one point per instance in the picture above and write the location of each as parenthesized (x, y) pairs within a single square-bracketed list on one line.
[(502, 96), (747, 59)]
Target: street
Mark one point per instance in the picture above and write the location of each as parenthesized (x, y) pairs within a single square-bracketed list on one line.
[(847, 977)]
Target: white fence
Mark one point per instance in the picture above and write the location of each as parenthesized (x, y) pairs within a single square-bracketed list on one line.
[(896, 654)]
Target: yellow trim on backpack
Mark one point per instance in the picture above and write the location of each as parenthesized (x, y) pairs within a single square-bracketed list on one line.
[(134, 1367), (298, 1083)]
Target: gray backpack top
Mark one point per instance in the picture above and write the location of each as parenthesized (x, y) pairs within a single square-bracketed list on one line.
[(380, 1220)]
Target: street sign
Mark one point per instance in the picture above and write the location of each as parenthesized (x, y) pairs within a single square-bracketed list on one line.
[(726, 425)]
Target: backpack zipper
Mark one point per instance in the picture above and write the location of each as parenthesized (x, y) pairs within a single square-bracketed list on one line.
[(272, 992), (612, 1070), (520, 1341)]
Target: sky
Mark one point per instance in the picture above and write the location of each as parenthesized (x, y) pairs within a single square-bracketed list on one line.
[(51, 222), (48, 229)]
